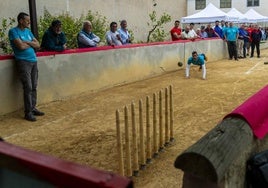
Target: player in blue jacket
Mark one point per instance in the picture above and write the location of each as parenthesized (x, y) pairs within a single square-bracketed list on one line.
[(196, 59)]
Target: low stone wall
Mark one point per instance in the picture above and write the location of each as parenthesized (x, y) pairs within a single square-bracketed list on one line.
[(76, 71)]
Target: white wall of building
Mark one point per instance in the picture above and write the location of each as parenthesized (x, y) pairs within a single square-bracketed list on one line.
[(136, 12), (240, 5)]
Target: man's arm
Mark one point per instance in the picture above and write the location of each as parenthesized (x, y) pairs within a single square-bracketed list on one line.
[(85, 40), (34, 43), (20, 44)]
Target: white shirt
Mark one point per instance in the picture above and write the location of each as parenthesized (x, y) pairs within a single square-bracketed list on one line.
[(111, 38)]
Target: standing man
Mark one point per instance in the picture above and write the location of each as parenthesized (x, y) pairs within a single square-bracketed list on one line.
[(54, 39), (176, 31), (86, 38), (124, 34), (242, 35), (231, 35), (256, 36), (24, 44)]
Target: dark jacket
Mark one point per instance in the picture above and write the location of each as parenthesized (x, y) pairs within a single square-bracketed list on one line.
[(256, 35), (52, 41)]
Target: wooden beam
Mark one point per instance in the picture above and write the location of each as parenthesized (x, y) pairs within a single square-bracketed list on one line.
[(211, 156)]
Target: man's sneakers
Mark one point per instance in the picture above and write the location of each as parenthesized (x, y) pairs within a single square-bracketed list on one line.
[(37, 112), (31, 115)]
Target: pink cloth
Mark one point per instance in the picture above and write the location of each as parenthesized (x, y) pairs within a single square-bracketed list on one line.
[(255, 111)]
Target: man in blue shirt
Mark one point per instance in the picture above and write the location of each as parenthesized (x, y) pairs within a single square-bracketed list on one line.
[(24, 44), (231, 35), (124, 34), (196, 60), (218, 29)]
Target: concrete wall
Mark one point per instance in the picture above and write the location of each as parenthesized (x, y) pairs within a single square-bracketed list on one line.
[(70, 73), (136, 12)]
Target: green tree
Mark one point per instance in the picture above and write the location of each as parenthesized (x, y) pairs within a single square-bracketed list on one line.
[(157, 33), (6, 24)]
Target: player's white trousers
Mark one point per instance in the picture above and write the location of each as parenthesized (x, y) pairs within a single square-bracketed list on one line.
[(204, 71)]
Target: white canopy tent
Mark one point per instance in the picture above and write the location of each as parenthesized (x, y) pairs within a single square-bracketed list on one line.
[(254, 16), (241, 17), (208, 15)]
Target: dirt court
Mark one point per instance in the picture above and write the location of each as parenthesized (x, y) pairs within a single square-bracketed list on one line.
[(82, 128)]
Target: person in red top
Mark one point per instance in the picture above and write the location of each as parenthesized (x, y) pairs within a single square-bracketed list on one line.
[(249, 30), (176, 31)]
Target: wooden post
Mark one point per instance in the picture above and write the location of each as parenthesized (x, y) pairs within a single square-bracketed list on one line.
[(127, 142), (134, 142), (171, 113), (166, 118), (142, 148), (119, 145), (155, 147), (161, 143), (148, 132)]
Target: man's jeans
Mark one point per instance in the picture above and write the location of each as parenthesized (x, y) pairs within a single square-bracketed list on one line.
[(28, 73)]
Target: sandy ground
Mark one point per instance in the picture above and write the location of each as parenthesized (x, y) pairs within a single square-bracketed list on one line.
[(82, 128)]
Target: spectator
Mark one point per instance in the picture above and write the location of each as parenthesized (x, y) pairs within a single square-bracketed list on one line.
[(124, 34), (263, 32), (112, 36), (199, 60), (218, 29), (242, 34), (246, 41), (24, 44), (222, 24), (192, 31), (249, 30), (54, 39), (198, 32), (230, 35), (203, 32), (211, 33), (186, 34), (86, 38), (176, 31), (256, 36)]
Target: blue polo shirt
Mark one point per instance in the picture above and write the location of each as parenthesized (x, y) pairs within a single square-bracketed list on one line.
[(231, 33), (24, 35), (199, 61)]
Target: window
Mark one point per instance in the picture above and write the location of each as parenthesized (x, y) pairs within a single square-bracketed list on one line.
[(200, 4), (226, 4), (253, 3)]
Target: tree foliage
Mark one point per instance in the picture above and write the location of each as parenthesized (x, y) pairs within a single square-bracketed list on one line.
[(6, 24), (157, 33)]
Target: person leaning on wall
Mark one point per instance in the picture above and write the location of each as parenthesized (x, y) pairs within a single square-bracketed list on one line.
[(24, 45), (124, 34), (112, 36), (86, 38), (175, 32), (54, 39)]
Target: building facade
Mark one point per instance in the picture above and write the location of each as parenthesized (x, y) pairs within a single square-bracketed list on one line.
[(260, 6), (136, 12)]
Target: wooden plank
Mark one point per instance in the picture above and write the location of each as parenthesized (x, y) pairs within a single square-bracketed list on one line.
[(210, 157)]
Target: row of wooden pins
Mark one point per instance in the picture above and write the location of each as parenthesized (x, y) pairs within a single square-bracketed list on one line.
[(137, 155)]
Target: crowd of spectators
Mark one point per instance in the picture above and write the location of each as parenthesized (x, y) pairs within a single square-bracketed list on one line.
[(241, 40)]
